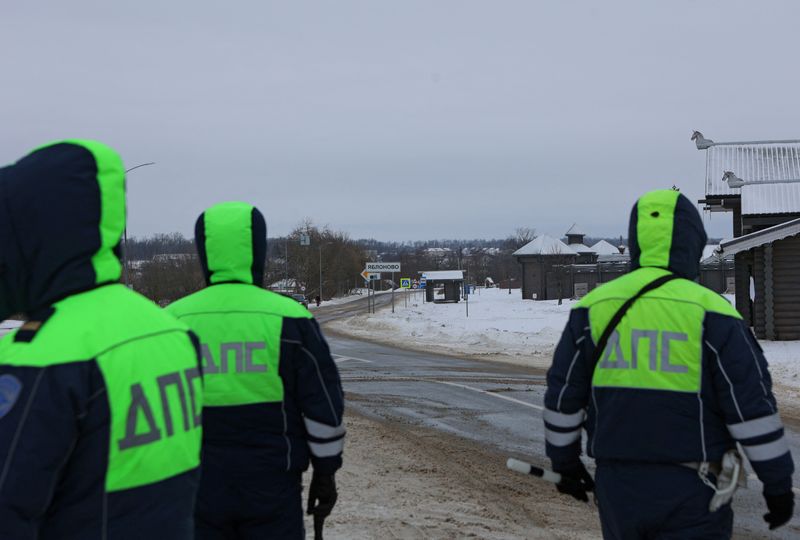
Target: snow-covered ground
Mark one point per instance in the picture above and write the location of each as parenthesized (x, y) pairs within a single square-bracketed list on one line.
[(784, 361), (358, 295), (522, 331), (507, 327)]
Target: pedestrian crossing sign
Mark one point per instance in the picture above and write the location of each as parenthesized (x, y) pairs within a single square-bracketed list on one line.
[(405, 283)]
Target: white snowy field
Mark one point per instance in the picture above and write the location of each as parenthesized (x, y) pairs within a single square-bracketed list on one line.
[(522, 331), (507, 327)]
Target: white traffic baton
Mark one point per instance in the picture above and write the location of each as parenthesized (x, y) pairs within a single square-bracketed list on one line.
[(527, 468)]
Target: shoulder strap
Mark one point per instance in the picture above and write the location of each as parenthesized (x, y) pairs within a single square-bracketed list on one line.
[(615, 320)]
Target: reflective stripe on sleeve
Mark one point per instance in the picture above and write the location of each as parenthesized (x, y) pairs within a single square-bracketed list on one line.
[(563, 420), (329, 449), (556, 438), (756, 427), (767, 451), (319, 430)]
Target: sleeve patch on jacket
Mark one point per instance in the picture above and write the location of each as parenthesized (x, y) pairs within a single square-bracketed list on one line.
[(10, 389)]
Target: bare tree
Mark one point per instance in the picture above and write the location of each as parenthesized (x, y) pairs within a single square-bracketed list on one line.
[(168, 277), (522, 236), (331, 254)]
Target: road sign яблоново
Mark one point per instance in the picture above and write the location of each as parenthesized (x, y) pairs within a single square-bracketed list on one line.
[(383, 267)]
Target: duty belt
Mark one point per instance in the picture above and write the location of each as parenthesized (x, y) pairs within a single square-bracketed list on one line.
[(713, 467)]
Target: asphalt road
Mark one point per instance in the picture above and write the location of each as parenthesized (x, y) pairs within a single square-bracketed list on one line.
[(327, 313), (492, 404)]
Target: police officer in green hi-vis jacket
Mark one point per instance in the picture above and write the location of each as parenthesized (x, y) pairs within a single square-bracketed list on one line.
[(274, 400), (100, 390), (666, 379)]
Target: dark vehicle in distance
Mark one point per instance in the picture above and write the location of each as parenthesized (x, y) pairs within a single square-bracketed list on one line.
[(300, 298)]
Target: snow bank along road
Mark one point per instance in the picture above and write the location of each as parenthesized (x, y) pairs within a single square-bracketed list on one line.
[(471, 415)]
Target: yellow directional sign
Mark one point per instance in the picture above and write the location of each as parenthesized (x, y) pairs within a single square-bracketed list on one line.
[(370, 276)]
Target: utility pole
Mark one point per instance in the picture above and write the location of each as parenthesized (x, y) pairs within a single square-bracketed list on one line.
[(466, 290)]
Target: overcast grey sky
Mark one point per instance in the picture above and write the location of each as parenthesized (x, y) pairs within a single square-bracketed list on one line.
[(401, 120)]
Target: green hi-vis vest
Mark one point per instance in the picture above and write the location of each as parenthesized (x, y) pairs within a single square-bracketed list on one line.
[(239, 326), (658, 344), (151, 374)]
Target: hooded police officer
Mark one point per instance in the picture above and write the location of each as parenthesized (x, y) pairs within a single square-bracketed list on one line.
[(666, 379), (100, 390), (274, 400)]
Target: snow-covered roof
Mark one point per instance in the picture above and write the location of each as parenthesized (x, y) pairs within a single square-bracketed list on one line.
[(711, 254), (576, 229), (285, 284), (581, 248), (759, 238), (443, 275), (545, 245), (604, 248), (771, 199), (708, 251), (613, 258), (757, 162)]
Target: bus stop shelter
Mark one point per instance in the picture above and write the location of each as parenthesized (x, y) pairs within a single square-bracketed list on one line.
[(451, 282)]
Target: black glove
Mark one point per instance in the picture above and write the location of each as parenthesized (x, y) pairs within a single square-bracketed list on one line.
[(780, 509), (575, 480), (322, 495)]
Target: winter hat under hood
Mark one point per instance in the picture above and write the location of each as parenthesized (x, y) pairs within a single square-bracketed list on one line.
[(231, 240), (62, 214), (666, 232)]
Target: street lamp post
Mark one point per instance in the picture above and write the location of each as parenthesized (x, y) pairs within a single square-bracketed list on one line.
[(125, 276)]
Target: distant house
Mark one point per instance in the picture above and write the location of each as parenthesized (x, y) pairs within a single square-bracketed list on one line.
[(552, 269), (542, 261), (286, 286), (575, 235), (174, 257)]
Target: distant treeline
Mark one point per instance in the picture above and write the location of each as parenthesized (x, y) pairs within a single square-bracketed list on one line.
[(330, 260)]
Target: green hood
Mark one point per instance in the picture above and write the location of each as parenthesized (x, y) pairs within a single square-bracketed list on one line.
[(231, 241), (62, 213), (666, 232)]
